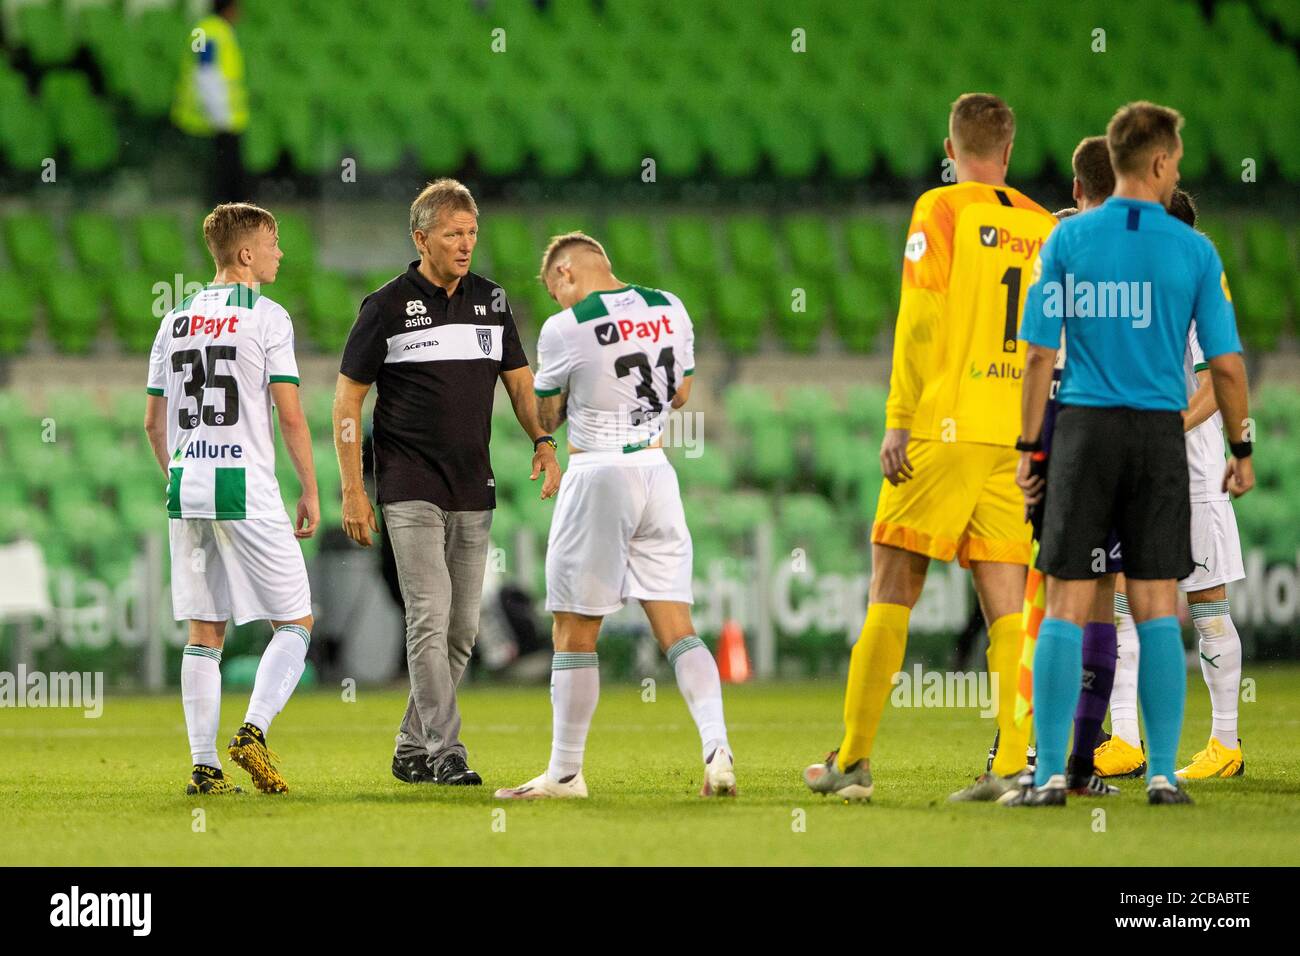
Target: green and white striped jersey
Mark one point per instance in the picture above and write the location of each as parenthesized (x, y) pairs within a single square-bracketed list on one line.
[(214, 359)]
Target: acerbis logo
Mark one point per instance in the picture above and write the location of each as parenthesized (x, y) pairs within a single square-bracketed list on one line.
[(427, 343), (415, 307), (419, 322), (994, 237), (607, 333)]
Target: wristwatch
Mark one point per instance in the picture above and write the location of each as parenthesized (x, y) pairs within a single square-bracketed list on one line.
[(548, 439)]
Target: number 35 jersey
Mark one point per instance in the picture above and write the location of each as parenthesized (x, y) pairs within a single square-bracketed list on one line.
[(214, 359), (620, 355)]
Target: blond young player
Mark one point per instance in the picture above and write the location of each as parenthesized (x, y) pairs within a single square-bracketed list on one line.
[(220, 360), (948, 455)]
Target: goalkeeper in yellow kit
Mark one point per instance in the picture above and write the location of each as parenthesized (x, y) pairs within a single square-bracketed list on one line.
[(948, 457)]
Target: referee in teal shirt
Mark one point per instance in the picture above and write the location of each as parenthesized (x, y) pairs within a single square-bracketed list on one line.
[(1124, 281)]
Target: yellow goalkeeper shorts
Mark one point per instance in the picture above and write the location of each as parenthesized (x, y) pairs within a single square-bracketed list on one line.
[(962, 501)]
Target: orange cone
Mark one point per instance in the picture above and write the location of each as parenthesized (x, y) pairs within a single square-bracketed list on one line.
[(733, 659)]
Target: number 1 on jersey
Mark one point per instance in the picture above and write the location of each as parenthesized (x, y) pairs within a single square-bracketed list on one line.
[(1011, 279)]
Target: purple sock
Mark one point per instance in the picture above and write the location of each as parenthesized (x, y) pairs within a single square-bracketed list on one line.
[(1099, 654)]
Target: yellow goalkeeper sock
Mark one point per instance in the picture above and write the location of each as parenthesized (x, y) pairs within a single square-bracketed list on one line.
[(1004, 661), (877, 657)]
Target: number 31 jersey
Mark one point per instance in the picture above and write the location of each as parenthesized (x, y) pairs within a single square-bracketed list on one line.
[(620, 355), (214, 359)]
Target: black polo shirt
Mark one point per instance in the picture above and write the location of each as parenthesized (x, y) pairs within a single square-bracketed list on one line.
[(435, 363)]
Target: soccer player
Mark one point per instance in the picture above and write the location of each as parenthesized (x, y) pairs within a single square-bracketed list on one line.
[(947, 456), (1125, 282), (614, 362), (1216, 553), (221, 358)]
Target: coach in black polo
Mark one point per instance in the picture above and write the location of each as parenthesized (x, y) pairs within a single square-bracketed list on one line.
[(434, 341)]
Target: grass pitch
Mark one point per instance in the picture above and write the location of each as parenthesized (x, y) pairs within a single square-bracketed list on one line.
[(109, 791)]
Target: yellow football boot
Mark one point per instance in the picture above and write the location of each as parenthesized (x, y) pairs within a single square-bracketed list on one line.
[(1117, 757), (248, 750), (1215, 760)]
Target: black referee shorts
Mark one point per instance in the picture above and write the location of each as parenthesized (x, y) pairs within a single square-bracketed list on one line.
[(1124, 469)]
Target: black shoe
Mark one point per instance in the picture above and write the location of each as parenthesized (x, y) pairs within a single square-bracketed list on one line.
[(1078, 772), (413, 769), (1051, 794), (1161, 792), (452, 771), (208, 780)]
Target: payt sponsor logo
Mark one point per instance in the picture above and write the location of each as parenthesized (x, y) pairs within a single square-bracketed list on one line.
[(608, 333), (994, 237), (190, 325)]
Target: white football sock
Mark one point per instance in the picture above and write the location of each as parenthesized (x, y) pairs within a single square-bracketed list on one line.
[(1124, 693), (277, 674), (1220, 665), (575, 688), (201, 698), (697, 678)]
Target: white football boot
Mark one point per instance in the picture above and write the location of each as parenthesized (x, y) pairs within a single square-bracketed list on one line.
[(542, 787), (719, 775)]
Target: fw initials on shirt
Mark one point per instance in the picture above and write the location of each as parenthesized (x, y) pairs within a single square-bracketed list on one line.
[(214, 359)]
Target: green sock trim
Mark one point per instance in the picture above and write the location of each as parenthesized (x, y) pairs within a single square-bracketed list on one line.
[(571, 660), (681, 647), (1209, 609), (296, 629), (198, 650), (1121, 604)]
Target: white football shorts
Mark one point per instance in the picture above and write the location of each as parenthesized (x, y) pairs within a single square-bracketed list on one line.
[(248, 570), (1216, 546), (618, 532)]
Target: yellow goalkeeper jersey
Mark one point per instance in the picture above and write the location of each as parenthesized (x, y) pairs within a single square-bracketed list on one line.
[(969, 260)]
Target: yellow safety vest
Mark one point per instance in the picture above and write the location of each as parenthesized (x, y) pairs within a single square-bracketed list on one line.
[(187, 108)]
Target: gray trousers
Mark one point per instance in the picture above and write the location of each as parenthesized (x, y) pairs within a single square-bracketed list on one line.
[(441, 557)]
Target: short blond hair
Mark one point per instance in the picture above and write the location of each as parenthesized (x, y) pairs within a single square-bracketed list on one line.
[(439, 196), (981, 124), (225, 228), (1138, 128), (560, 243)]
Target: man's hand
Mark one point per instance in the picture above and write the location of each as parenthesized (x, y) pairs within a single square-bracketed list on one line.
[(544, 460), (308, 516), (1031, 481), (1239, 476), (894, 463), (359, 517)]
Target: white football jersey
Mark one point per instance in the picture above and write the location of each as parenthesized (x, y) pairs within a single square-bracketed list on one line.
[(1205, 448), (214, 359), (620, 355)]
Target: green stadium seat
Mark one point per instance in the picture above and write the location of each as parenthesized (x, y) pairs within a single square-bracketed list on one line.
[(742, 309), (772, 459), (96, 241), (162, 247), (750, 409), (260, 147), (711, 470), (861, 310), (632, 247), (1269, 247), (47, 31), (864, 408), (1261, 306), (72, 304), (808, 407), (26, 132), (32, 245), (693, 246), (332, 310), (803, 307), (134, 305), (753, 246), (872, 246), (740, 513), (809, 240), (296, 241), (18, 314)]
